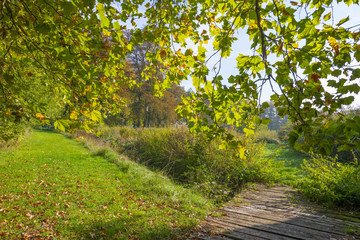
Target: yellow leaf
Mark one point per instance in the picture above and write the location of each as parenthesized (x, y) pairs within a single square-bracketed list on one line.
[(295, 45), (40, 116), (106, 33), (241, 152), (281, 47), (73, 115), (248, 131)]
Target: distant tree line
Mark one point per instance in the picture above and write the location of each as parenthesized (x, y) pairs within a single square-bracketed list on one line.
[(276, 121)]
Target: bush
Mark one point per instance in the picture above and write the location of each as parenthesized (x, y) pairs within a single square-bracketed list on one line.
[(346, 156), (284, 131), (190, 159), (11, 134), (330, 182), (264, 134)]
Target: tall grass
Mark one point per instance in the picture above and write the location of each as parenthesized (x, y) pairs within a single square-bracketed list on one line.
[(191, 159)]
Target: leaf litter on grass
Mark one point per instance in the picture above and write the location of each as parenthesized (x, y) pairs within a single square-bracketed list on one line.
[(52, 187)]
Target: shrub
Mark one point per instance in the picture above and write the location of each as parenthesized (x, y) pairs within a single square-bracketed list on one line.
[(11, 134), (266, 135), (190, 159), (330, 182), (346, 156), (284, 131)]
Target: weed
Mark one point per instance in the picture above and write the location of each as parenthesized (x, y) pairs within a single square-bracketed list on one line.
[(330, 182)]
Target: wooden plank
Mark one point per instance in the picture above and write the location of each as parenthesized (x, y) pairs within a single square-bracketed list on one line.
[(265, 194), (311, 218), (276, 204), (252, 232), (270, 191), (263, 229), (304, 214), (315, 224), (273, 213), (281, 228), (219, 238), (213, 237), (227, 230), (311, 207), (241, 236)]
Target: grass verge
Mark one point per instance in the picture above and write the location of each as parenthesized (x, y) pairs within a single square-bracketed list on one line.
[(53, 187)]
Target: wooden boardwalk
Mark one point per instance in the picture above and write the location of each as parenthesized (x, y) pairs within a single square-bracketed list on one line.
[(276, 213)]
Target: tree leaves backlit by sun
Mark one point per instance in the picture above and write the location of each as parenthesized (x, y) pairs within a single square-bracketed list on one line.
[(76, 51)]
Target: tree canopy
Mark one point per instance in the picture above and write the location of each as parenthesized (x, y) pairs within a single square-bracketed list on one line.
[(77, 50)]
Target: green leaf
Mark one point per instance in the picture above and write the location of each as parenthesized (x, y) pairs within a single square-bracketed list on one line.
[(117, 26), (68, 7), (342, 21), (265, 105), (58, 125), (265, 121), (327, 16), (293, 137), (43, 28), (104, 20), (348, 100), (357, 56)]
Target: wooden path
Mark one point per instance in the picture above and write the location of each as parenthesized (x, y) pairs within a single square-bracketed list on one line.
[(276, 213)]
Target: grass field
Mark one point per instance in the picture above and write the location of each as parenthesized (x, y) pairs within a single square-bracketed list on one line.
[(53, 187), (288, 162)]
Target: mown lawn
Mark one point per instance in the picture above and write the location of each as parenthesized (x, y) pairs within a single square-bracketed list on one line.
[(53, 187)]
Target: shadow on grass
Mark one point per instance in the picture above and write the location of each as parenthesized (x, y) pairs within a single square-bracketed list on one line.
[(45, 129), (128, 227), (291, 157)]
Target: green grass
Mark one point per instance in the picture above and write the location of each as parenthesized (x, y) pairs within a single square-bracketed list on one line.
[(288, 162), (53, 187)]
